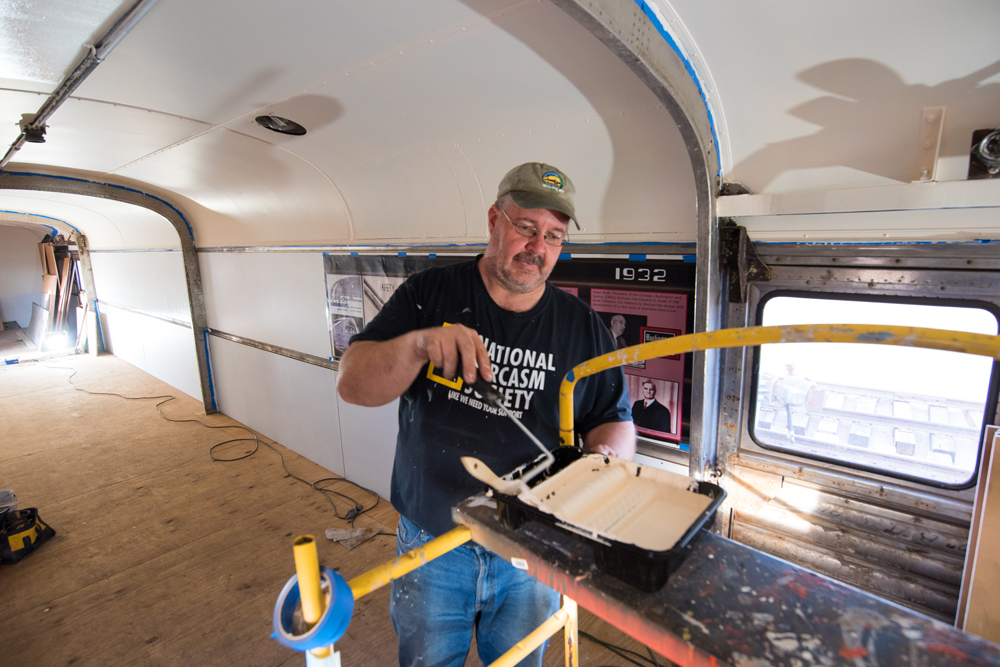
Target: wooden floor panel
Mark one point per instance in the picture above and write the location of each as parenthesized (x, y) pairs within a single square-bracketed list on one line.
[(163, 556)]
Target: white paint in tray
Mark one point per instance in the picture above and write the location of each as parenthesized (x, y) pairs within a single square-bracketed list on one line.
[(623, 501)]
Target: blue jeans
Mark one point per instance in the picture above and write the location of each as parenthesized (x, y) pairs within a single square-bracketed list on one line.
[(436, 608)]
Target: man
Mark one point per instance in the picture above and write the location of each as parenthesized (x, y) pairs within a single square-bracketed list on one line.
[(497, 316), (649, 413), (618, 331), (792, 392)]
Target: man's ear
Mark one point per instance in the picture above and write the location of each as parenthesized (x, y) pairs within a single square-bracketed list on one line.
[(491, 218)]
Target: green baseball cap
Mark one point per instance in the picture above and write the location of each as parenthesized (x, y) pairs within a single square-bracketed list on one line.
[(540, 185)]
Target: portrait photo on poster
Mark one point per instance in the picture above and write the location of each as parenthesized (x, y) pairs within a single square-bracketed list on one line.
[(625, 330), (655, 406)]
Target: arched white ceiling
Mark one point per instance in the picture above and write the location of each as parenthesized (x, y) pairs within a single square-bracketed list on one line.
[(107, 223), (415, 110), (414, 114)]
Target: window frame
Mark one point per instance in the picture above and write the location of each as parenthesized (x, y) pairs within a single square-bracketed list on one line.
[(990, 412)]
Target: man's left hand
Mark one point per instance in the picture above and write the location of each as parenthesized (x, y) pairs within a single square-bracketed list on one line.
[(613, 439)]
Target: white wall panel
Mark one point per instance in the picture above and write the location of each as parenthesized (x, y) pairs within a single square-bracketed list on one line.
[(121, 333), (289, 401), (113, 278), (274, 298), (152, 282), (20, 273), (159, 284), (369, 441), (162, 349)]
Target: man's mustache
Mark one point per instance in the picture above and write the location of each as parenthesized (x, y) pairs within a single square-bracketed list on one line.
[(530, 258)]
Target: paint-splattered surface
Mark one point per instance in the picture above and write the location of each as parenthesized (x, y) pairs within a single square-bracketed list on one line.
[(730, 604)]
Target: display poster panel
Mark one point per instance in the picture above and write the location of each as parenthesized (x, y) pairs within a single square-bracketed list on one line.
[(638, 304), (358, 287), (635, 317)]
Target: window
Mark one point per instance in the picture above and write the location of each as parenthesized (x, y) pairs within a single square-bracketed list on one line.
[(906, 412)]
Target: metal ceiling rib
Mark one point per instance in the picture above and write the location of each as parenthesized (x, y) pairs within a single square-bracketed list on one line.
[(626, 29)]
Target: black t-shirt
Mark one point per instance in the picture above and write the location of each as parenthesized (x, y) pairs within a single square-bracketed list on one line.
[(531, 352)]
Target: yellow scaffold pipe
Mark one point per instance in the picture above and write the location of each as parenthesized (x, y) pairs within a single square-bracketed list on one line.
[(307, 567), (938, 339), (566, 616), (376, 578)]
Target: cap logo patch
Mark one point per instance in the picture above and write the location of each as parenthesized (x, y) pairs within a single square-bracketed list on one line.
[(552, 180)]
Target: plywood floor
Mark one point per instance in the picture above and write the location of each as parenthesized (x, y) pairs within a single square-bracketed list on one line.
[(163, 556)]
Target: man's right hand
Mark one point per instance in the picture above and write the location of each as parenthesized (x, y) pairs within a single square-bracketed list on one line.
[(375, 373), (447, 347)]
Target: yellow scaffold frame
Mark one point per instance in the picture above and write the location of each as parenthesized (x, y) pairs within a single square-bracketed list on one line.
[(566, 617)]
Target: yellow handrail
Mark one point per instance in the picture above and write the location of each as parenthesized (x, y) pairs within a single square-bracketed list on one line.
[(939, 339)]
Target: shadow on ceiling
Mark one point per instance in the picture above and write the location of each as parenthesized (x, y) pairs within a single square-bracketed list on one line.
[(870, 122)]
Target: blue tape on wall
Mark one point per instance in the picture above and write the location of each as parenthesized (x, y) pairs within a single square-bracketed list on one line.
[(100, 331), (400, 254), (688, 65), (565, 255), (208, 370), (690, 259), (637, 258)]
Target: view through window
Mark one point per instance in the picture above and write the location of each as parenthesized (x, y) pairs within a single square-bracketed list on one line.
[(906, 411)]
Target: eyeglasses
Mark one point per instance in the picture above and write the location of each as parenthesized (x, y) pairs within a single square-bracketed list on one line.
[(551, 238)]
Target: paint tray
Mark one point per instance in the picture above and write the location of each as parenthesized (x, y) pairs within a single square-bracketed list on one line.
[(636, 518)]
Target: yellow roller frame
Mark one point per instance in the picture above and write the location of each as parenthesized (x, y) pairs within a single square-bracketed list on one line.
[(938, 339)]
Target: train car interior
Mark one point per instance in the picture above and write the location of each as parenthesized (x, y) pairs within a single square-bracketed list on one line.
[(207, 200)]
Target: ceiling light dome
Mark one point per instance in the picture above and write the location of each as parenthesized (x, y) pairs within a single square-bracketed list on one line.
[(280, 125)]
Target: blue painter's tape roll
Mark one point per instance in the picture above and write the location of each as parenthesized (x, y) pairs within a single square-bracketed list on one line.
[(331, 626)]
